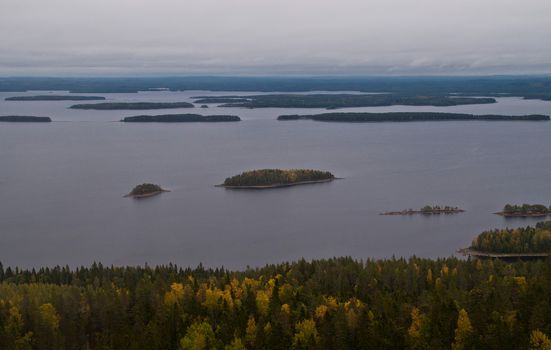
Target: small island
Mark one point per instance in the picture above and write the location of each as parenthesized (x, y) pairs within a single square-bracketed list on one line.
[(525, 211), (181, 118), (132, 105), (146, 190), (427, 210), (24, 119), (409, 117), (275, 178), (54, 98), (334, 101), (525, 243)]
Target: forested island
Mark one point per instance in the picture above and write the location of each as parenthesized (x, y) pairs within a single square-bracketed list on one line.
[(133, 105), (54, 98), (525, 242), (181, 118), (146, 190), (333, 101), (273, 178), (24, 119), (338, 303), (427, 210), (410, 117), (525, 210)]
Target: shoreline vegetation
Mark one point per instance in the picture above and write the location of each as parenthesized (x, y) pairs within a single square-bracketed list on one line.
[(54, 98), (334, 101), (427, 210), (523, 241), (24, 119), (276, 178), (525, 211), (181, 118), (145, 190), (107, 106), (409, 117)]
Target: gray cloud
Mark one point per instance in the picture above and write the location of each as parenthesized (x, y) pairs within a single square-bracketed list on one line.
[(268, 36)]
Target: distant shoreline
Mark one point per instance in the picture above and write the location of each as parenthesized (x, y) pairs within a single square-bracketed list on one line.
[(265, 187), (150, 194)]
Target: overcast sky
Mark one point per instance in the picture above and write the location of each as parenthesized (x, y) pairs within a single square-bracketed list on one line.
[(121, 37)]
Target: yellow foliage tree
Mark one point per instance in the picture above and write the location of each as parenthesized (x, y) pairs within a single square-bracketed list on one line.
[(306, 335), (539, 341), (463, 331)]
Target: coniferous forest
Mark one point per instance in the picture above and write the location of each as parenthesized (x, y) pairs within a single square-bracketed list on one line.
[(337, 303)]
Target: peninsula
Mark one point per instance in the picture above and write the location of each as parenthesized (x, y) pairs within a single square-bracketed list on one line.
[(54, 98), (410, 117), (333, 101), (525, 243), (181, 118), (274, 178), (24, 119), (525, 210), (132, 105), (427, 210), (146, 190)]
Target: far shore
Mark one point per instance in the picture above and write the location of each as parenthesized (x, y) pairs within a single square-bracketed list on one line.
[(426, 212), (523, 215), (145, 195), (265, 187)]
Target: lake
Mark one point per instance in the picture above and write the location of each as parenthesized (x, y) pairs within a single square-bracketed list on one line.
[(62, 183)]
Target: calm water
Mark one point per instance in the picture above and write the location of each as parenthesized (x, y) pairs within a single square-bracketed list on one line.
[(61, 184)]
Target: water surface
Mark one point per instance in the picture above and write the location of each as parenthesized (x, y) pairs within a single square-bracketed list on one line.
[(62, 184)]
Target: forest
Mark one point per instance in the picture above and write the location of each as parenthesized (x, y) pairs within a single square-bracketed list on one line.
[(54, 98), (132, 105), (333, 101), (522, 240), (268, 177), (337, 303), (24, 119), (535, 87), (525, 210), (409, 117), (180, 118)]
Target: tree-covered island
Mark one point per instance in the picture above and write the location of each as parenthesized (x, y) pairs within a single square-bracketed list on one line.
[(181, 118), (24, 119), (427, 210), (132, 105), (518, 241), (333, 101), (54, 98), (525, 210), (409, 117), (273, 178), (146, 190)]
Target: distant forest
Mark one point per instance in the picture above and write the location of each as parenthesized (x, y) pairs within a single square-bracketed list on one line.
[(337, 303), (532, 87), (409, 117), (518, 240), (333, 101)]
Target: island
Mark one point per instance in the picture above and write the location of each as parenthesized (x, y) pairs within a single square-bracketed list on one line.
[(525, 243), (204, 106), (181, 118), (525, 210), (409, 117), (54, 98), (275, 178), (427, 210), (132, 105), (24, 119), (333, 101), (146, 190)]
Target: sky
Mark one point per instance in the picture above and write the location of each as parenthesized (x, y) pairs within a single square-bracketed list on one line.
[(274, 37)]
